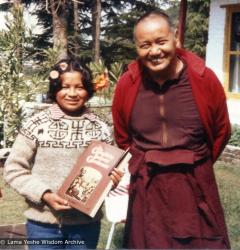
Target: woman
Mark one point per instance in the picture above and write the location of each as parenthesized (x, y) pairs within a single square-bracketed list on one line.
[(43, 154)]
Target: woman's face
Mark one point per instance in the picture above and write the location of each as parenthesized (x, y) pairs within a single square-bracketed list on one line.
[(72, 96)]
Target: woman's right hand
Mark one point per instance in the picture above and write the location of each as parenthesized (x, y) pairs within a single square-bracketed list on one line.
[(55, 201)]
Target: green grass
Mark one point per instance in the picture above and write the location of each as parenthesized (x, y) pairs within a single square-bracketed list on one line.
[(228, 177), (12, 206)]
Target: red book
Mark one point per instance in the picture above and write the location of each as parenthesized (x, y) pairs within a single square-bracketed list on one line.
[(89, 182)]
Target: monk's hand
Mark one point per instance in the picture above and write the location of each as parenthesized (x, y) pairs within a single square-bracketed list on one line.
[(116, 175), (55, 201)]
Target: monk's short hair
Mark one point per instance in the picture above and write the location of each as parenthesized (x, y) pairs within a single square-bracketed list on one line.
[(152, 13)]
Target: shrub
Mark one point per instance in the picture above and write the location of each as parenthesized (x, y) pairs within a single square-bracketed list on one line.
[(235, 137), (17, 86)]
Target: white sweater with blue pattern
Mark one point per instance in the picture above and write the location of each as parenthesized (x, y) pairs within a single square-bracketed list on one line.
[(44, 153)]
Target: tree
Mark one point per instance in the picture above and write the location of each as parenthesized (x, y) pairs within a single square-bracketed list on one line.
[(16, 84), (17, 2), (96, 29), (59, 20), (69, 25), (117, 43), (76, 25), (196, 35)]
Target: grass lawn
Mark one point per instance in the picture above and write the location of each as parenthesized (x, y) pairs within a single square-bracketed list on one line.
[(228, 177), (12, 206)]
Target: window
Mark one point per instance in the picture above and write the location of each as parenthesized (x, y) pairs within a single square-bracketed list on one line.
[(232, 51)]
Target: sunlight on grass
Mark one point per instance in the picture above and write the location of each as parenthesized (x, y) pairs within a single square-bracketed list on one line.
[(229, 187), (12, 207)]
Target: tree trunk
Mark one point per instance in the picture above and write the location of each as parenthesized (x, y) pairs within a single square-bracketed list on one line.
[(182, 21), (96, 18), (17, 3), (59, 17), (76, 28)]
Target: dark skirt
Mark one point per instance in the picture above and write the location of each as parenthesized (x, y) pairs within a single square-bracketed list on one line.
[(174, 207)]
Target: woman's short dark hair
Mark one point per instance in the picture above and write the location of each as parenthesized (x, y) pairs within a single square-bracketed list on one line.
[(68, 65)]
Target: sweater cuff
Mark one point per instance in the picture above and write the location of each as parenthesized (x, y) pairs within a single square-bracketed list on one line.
[(37, 194)]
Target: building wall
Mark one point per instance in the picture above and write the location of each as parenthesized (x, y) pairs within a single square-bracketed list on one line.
[(214, 55), (215, 49), (215, 46)]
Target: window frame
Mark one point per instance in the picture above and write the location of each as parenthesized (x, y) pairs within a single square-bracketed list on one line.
[(227, 52)]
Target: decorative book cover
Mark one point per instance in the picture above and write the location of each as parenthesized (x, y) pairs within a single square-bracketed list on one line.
[(89, 182)]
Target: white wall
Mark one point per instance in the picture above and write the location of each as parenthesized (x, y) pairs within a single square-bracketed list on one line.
[(214, 55), (215, 49), (215, 45)]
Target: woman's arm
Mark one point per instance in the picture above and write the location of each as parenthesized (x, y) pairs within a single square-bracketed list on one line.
[(18, 170)]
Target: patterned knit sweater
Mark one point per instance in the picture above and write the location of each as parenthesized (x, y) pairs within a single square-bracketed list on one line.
[(42, 156)]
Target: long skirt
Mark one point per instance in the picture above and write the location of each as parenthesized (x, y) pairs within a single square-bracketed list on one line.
[(175, 207)]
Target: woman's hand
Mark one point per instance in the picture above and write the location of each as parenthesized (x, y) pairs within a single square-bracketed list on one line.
[(116, 175), (55, 201)]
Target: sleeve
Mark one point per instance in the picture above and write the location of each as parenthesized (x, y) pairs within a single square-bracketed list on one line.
[(119, 117), (17, 170), (221, 122)]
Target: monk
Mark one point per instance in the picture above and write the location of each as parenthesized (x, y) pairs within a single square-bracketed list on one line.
[(170, 109)]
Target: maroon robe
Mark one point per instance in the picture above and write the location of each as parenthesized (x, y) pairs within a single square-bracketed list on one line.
[(175, 206)]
